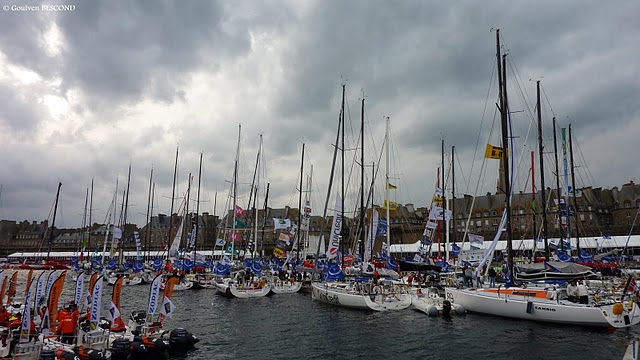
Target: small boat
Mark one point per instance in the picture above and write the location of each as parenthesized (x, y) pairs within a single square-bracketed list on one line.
[(252, 290), (184, 284), (432, 304), (286, 287), (128, 279), (389, 301)]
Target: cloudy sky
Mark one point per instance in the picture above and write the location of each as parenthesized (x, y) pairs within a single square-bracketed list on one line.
[(86, 92)]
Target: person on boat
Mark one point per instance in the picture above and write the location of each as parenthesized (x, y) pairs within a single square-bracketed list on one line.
[(67, 330), (583, 294), (572, 291), (479, 279), (464, 276), (492, 277), (468, 275), (376, 277), (4, 316)]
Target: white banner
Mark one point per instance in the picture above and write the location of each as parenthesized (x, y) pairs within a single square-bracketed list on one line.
[(26, 318), (336, 228), (96, 300), (167, 308), (373, 230), (79, 288), (39, 300), (113, 312), (281, 223), (153, 298), (436, 213)]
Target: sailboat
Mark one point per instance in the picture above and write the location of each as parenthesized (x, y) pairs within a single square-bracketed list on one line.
[(535, 304), (365, 293)]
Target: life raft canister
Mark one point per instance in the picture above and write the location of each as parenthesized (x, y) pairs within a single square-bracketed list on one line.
[(618, 308)]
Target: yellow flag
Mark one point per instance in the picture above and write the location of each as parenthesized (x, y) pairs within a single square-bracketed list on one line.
[(494, 152), (392, 205), (390, 186)]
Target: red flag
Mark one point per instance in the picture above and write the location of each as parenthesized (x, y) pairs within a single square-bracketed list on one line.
[(234, 236), (239, 211)]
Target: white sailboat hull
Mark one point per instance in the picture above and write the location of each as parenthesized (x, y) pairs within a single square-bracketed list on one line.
[(541, 309), (286, 288), (331, 293), (249, 292)]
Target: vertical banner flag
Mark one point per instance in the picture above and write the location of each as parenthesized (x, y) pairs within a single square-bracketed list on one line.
[(136, 237), (26, 318), (336, 228), (54, 297), (373, 229), (12, 286), (154, 297), (39, 300), (79, 289), (96, 300)]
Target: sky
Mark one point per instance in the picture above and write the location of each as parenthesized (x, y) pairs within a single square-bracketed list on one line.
[(94, 87)]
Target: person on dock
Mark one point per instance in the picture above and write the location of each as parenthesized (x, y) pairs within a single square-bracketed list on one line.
[(4, 316)]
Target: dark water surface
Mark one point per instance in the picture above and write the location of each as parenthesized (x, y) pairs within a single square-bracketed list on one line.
[(295, 327)]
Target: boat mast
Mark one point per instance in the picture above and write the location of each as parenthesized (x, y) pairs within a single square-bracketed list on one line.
[(124, 219), (148, 234), (53, 221), (386, 187), (90, 220), (566, 186), (300, 205), (533, 206), (173, 194), (153, 196), (184, 217), (235, 193), (504, 112), (343, 233), (196, 225), (555, 151), (543, 189), (573, 187), (362, 208), (333, 168), (264, 220), (453, 193), (444, 207), (80, 245)]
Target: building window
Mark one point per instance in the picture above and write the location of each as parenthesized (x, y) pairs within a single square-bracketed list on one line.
[(494, 213), (486, 222), (627, 204)]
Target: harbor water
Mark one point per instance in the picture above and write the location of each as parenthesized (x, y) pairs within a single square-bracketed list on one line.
[(292, 326)]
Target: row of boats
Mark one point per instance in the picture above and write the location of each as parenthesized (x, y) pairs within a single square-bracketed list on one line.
[(93, 334)]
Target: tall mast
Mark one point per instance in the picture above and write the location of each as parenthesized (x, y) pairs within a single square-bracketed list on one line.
[(566, 186), (543, 189), (235, 193), (173, 194), (84, 227), (153, 196), (453, 193), (504, 112), (90, 218), (362, 208), (148, 234), (300, 205), (194, 232), (264, 218), (53, 221), (333, 168), (573, 187), (555, 151), (444, 206), (342, 232), (386, 188), (533, 205), (124, 219)]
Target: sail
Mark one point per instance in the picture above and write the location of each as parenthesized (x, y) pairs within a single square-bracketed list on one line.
[(175, 245), (336, 228), (96, 300), (154, 293), (54, 297)]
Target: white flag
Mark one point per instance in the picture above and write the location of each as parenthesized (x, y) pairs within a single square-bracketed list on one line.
[(113, 312), (281, 223), (436, 213), (167, 308)]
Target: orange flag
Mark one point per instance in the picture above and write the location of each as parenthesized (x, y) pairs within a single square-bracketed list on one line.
[(12, 286), (54, 296)]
